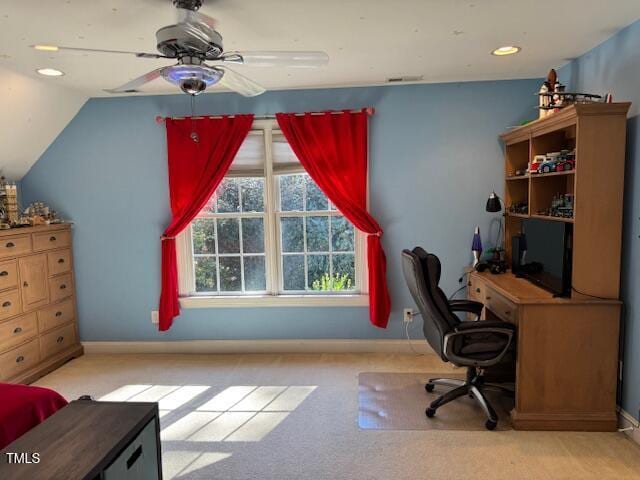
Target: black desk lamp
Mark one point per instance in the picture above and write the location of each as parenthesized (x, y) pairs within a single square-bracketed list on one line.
[(493, 203)]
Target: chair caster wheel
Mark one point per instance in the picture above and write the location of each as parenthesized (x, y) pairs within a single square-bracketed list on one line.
[(430, 412), (491, 424), (429, 387)]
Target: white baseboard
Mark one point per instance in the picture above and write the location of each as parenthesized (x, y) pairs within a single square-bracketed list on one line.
[(259, 346), (627, 422)]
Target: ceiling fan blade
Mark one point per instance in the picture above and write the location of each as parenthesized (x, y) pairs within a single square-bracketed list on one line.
[(277, 59), (239, 83), (57, 48), (192, 16), (133, 85)]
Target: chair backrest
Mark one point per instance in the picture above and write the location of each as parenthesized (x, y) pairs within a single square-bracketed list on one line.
[(422, 274)]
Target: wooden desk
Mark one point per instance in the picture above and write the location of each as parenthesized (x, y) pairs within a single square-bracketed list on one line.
[(567, 357)]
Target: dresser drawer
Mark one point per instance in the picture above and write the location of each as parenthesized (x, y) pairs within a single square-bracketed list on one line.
[(19, 360), (16, 331), (501, 307), (51, 240), (10, 304), (57, 340), (14, 246), (60, 287), (55, 315), (59, 262), (8, 274)]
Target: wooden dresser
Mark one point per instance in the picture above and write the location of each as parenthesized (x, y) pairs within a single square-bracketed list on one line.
[(38, 321)]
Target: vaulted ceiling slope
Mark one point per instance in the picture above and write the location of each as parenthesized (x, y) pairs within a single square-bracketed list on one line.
[(32, 114)]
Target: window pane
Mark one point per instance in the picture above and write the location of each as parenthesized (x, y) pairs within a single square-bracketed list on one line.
[(292, 235), (204, 236), (317, 234), (344, 271), (230, 275), (318, 275), (252, 194), (291, 192), (293, 272), (316, 200), (205, 270), (228, 196), (254, 274), (342, 235), (253, 235), (228, 235)]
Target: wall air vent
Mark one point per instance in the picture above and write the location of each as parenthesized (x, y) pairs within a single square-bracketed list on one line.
[(405, 78)]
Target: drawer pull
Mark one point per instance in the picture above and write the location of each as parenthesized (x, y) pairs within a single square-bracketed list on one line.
[(6, 304), (10, 245), (61, 260), (52, 239), (63, 286), (19, 359), (4, 273), (488, 298), (17, 330), (477, 290), (58, 314), (25, 284), (134, 457), (507, 312), (60, 339)]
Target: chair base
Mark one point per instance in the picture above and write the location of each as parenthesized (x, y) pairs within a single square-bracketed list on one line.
[(474, 386)]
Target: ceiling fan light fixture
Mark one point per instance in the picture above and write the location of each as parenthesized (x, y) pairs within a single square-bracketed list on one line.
[(192, 79), (506, 50), (50, 72)]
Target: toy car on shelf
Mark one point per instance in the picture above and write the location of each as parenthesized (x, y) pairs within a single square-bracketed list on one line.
[(565, 165), (521, 208), (548, 166)]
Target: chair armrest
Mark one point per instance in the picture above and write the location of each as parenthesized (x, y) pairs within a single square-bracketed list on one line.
[(484, 324), (470, 306), (470, 328)]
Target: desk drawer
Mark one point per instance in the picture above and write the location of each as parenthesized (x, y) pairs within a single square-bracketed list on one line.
[(60, 287), (55, 315), (14, 246), (9, 304), (51, 240), (57, 340), (501, 307), (17, 331), (19, 359), (8, 275), (477, 288)]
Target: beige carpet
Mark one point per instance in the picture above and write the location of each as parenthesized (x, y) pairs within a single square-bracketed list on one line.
[(218, 423), (397, 401)]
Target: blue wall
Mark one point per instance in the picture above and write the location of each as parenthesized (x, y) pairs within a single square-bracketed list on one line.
[(614, 67), (434, 154)]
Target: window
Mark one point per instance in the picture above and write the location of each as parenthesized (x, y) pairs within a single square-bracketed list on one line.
[(269, 233)]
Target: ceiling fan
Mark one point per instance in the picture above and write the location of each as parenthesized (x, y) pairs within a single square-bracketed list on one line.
[(194, 40)]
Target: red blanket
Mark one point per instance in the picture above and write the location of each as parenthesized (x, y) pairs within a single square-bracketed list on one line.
[(22, 407)]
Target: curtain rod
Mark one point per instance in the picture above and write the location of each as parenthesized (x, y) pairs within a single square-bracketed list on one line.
[(368, 110)]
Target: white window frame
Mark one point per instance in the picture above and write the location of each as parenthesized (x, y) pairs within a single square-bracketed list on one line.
[(273, 258)]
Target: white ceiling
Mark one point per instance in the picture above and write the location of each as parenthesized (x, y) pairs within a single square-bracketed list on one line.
[(367, 40)]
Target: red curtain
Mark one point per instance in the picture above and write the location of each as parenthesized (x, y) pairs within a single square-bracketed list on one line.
[(196, 168), (332, 148)]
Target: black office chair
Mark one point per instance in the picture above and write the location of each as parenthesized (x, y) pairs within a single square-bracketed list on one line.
[(476, 345)]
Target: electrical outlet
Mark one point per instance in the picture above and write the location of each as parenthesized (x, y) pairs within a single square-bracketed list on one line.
[(407, 315), (155, 319)]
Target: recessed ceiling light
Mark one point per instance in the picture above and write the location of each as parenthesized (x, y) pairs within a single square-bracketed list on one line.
[(46, 48), (506, 50), (50, 72)]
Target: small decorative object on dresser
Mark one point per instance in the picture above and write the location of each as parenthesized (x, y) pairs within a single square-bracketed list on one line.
[(38, 322)]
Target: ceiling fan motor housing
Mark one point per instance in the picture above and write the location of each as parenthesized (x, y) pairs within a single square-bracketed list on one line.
[(175, 41)]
